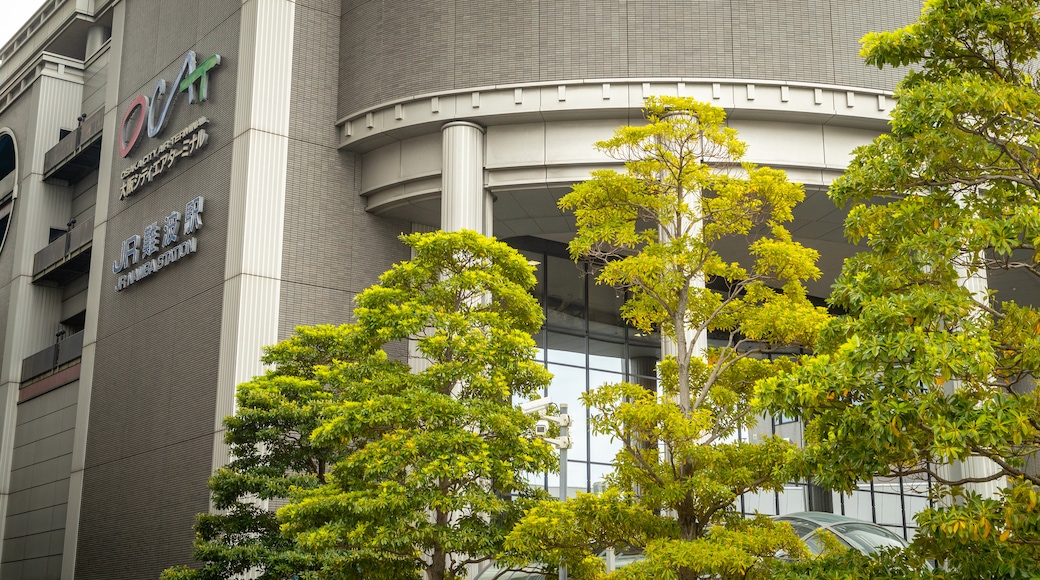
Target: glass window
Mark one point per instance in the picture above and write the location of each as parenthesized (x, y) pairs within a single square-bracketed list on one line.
[(577, 479), (608, 356), (565, 294), (602, 447), (605, 310), (536, 259), (567, 349), (598, 476), (568, 386), (8, 177), (5, 219), (600, 378)]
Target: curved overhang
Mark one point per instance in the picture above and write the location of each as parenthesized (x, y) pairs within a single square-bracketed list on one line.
[(540, 136), (539, 142), (367, 129)]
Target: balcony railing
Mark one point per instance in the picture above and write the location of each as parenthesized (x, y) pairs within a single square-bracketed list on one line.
[(52, 357), (66, 258), (77, 153)]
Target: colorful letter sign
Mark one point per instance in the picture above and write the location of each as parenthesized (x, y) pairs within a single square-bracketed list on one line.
[(153, 113)]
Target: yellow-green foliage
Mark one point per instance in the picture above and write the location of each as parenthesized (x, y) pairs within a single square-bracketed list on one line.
[(655, 231), (923, 372)]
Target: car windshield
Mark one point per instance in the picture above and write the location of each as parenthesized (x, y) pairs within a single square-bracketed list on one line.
[(869, 538), (815, 544), (801, 527)]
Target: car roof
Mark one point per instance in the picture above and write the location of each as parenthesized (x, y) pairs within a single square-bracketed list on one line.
[(865, 536), (821, 519)]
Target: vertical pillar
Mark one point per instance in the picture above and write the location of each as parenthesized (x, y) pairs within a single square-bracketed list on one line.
[(976, 282), (259, 162), (465, 204), (96, 37)]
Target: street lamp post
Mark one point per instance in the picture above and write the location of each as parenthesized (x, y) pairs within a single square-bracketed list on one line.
[(563, 442)]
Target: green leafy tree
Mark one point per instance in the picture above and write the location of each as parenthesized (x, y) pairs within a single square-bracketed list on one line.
[(655, 232), (429, 475), (930, 370), (271, 453), (837, 561)]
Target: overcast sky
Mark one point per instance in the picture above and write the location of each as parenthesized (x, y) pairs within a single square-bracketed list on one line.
[(14, 14)]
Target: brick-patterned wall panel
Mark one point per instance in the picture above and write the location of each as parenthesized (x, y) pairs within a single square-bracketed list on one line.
[(393, 49), (39, 485), (332, 248), (150, 441), (149, 448)]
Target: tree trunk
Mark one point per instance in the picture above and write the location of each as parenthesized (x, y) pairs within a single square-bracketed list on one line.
[(689, 530), (438, 565), (436, 570)]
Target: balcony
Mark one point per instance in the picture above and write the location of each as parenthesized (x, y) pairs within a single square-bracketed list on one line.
[(77, 153), (53, 357), (66, 258)]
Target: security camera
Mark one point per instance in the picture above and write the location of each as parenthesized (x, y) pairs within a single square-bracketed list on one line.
[(536, 406), (541, 428)]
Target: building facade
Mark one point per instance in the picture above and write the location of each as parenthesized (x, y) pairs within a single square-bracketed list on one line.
[(184, 182)]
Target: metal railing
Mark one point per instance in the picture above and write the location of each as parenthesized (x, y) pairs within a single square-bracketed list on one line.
[(63, 247), (61, 352)]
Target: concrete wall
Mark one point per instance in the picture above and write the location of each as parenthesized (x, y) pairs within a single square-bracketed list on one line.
[(149, 443), (333, 249), (35, 526), (395, 48)]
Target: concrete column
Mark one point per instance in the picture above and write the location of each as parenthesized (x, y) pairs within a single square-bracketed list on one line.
[(259, 161), (465, 204), (976, 282), (96, 37)]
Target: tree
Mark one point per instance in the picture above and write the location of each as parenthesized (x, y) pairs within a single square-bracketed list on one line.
[(430, 471), (930, 373), (271, 452), (656, 232)]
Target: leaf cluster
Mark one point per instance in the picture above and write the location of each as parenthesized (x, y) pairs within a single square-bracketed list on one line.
[(929, 368), (389, 471), (271, 454), (433, 473), (657, 231)]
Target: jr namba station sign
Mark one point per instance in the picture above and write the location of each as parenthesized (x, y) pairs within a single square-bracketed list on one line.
[(171, 237), (145, 118)]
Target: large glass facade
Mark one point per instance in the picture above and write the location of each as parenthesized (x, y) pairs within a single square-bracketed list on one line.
[(585, 343)]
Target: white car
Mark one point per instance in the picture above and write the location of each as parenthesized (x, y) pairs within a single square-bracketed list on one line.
[(856, 534)]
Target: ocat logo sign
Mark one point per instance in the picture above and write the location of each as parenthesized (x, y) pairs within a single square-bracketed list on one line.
[(151, 114)]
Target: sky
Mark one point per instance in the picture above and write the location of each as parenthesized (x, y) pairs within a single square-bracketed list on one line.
[(14, 14)]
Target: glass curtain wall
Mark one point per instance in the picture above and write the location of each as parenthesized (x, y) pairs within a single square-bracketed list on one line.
[(585, 343)]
